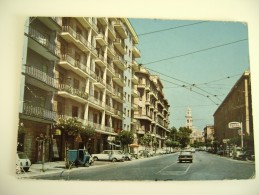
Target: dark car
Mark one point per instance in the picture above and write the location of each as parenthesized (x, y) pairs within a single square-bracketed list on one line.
[(185, 156), (247, 155)]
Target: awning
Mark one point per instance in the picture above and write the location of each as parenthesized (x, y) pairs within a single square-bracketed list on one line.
[(134, 145)]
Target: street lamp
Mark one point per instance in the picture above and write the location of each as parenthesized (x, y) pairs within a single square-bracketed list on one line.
[(42, 140)]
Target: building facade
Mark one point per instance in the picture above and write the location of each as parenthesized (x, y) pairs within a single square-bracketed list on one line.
[(208, 133), (236, 107), (152, 112), (83, 68)]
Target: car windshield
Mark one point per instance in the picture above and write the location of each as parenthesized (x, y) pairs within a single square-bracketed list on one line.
[(22, 156)]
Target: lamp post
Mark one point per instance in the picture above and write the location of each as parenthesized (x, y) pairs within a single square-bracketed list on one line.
[(42, 140)]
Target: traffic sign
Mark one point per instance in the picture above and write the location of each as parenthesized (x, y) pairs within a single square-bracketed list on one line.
[(234, 125)]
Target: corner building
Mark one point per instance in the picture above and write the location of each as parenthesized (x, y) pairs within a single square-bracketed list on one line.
[(76, 67)]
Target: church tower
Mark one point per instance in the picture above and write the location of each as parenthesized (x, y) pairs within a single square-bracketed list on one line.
[(189, 118)]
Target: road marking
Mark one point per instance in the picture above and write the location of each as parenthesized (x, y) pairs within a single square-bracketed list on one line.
[(168, 169)]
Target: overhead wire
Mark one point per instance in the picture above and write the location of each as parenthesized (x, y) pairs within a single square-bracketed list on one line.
[(197, 51)]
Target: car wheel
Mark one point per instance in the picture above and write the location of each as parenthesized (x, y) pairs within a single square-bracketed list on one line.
[(86, 164), (26, 169), (180, 161), (114, 160), (95, 158), (190, 161)]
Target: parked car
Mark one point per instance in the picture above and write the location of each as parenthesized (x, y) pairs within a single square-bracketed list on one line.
[(128, 156), (247, 155), (109, 155), (22, 161), (145, 153), (185, 156)]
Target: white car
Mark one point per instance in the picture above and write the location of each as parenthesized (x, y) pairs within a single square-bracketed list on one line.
[(22, 161), (109, 155)]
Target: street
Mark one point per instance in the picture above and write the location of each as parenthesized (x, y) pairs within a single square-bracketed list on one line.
[(205, 166)]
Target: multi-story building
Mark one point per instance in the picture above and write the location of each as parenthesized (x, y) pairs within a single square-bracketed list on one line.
[(208, 133), (151, 114), (76, 67), (236, 107)]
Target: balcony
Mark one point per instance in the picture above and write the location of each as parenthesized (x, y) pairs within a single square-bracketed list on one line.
[(110, 51), (135, 65), (147, 102), (136, 52), (142, 116), (100, 83), (134, 106), (134, 93), (118, 114), (119, 26), (103, 21), (110, 69), (133, 121), (67, 91), (101, 61), (118, 96), (134, 79), (101, 39), (71, 36), (109, 109), (119, 62), (120, 45), (152, 93), (40, 79), (42, 45), (111, 32), (30, 110), (69, 63), (109, 89), (53, 23), (141, 85), (85, 22), (118, 78), (96, 103)]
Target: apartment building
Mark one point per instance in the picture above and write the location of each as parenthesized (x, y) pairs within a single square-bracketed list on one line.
[(151, 114), (236, 107), (208, 133), (79, 67)]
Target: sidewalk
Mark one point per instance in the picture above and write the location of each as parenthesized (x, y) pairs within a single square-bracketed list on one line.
[(37, 169), (54, 167)]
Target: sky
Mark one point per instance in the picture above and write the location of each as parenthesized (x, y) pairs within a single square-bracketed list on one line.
[(198, 63)]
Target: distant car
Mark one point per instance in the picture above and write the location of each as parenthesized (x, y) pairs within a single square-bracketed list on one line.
[(145, 153), (109, 155), (23, 162), (185, 156)]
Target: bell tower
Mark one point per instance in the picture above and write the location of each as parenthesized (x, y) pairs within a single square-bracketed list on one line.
[(188, 118)]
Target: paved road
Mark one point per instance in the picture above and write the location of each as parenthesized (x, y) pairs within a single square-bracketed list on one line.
[(205, 166)]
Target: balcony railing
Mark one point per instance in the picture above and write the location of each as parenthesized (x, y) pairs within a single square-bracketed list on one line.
[(73, 91), (95, 101), (39, 112), (40, 75), (44, 41), (73, 62)]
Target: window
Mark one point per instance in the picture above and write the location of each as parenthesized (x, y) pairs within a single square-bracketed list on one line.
[(76, 84), (74, 111)]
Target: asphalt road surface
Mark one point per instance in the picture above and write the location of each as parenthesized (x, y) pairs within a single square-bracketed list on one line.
[(205, 166)]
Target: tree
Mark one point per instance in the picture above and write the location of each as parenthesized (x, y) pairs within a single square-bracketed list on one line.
[(184, 136), (86, 133), (146, 139), (69, 126), (126, 138), (173, 134)]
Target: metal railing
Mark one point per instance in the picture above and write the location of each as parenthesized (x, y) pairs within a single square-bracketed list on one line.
[(43, 40), (73, 91), (37, 111), (40, 75)]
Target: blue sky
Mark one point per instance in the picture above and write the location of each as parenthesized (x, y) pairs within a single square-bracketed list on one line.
[(194, 59)]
